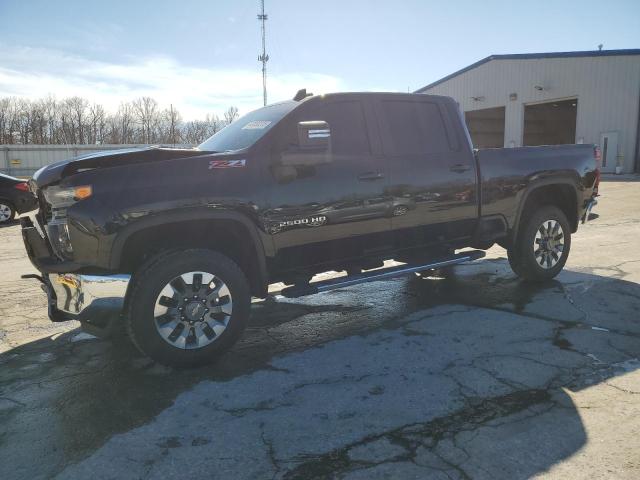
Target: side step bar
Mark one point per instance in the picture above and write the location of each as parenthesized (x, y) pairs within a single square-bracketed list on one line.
[(381, 274)]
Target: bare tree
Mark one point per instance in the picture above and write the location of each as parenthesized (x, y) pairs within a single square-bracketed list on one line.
[(124, 123), (8, 120), (4, 119), (230, 115), (96, 124), (25, 120), (50, 112), (75, 117), (146, 112), (75, 120), (171, 121)]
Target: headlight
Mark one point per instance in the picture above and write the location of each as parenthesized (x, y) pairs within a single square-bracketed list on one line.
[(64, 197), (57, 229)]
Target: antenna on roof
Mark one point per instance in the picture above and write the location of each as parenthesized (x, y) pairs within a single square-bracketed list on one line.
[(264, 58)]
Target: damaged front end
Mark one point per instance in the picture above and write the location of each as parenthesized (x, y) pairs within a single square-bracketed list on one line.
[(96, 301)]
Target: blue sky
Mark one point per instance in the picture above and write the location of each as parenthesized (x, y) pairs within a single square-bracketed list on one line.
[(202, 55)]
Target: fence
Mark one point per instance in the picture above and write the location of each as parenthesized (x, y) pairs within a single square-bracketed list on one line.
[(24, 160)]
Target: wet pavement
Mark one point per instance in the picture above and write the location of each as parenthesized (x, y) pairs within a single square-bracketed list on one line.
[(470, 375)]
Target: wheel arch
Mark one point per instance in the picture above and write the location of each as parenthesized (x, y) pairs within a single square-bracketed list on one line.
[(230, 233), (561, 193), (7, 200)]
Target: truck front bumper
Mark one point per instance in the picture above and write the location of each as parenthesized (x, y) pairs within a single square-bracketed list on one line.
[(96, 301), (88, 298), (589, 206)]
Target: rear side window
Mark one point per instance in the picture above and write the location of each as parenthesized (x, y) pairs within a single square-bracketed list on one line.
[(414, 128), (348, 127)]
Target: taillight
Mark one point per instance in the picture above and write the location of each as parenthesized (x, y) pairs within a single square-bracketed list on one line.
[(22, 186)]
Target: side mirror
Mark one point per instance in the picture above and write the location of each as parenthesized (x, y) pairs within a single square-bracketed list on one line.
[(314, 145), (314, 135)]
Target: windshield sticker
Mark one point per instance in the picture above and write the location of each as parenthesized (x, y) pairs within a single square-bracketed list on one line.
[(257, 125), (226, 163)]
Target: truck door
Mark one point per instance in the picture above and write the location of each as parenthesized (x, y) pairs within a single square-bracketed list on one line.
[(432, 171), (320, 212)]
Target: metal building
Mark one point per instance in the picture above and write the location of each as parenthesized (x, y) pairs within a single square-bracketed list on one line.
[(553, 98)]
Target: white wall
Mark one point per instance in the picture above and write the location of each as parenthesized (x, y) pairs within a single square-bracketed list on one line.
[(607, 88)]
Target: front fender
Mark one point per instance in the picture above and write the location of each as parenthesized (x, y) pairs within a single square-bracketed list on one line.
[(260, 242)]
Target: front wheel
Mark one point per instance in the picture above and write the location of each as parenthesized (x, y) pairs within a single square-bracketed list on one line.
[(542, 245), (188, 307)]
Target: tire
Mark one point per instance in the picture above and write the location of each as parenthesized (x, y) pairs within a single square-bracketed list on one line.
[(208, 313), (504, 243), (399, 210), (7, 212), (547, 228)]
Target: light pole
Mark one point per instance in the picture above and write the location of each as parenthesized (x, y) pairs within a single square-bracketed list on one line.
[(264, 58)]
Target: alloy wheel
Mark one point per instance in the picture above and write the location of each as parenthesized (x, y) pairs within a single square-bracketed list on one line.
[(399, 210), (193, 310), (548, 244), (5, 212)]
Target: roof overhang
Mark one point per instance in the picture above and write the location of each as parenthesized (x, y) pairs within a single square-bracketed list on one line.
[(529, 56)]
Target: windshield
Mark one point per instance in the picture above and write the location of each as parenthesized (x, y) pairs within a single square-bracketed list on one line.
[(247, 130)]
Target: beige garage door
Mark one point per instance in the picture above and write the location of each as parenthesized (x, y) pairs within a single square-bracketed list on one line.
[(486, 127), (550, 123)]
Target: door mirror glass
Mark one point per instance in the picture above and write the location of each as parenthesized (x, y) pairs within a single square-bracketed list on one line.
[(314, 135), (314, 145)]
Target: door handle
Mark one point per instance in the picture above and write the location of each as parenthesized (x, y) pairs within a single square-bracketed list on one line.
[(370, 176), (460, 168)]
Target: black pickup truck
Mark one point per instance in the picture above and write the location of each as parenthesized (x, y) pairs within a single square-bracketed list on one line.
[(178, 241)]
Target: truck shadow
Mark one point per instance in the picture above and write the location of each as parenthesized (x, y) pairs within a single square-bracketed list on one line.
[(61, 398), (10, 223)]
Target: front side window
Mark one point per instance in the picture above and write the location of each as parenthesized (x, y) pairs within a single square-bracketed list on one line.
[(347, 124), (248, 129)]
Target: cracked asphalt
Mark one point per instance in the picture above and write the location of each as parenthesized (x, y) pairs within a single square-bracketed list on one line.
[(470, 375)]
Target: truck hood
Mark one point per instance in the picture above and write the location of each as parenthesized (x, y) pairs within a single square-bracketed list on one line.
[(53, 173)]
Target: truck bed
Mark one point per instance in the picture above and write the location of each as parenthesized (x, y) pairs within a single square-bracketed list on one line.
[(506, 173)]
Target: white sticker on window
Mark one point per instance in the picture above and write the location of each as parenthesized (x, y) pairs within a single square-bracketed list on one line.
[(257, 125)]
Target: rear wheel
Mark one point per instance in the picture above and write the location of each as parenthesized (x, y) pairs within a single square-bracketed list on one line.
[(186, 308), (7, 212), (542, 246)]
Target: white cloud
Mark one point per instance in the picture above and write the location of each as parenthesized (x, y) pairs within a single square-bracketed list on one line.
[(194, 91)]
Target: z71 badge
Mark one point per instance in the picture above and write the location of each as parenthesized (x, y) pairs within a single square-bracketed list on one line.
[(226, 164)]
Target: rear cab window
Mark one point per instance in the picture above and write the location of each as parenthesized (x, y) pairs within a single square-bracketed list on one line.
[(413, 127)]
